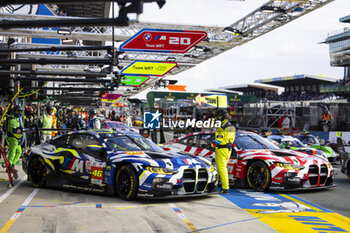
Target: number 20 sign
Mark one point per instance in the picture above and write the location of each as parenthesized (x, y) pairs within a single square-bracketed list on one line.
[(159, 40)]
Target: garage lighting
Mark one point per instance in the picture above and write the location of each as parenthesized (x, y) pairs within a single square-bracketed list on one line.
[(199, 48), (233, 31), (171, 59), (272, 9), (66, 41), (202, 49), (64, 31)]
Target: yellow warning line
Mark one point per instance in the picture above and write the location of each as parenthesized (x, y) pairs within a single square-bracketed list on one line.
[(7, 226)]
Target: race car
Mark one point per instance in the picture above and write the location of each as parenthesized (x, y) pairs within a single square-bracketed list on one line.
[(118, 162), (107, 124), (257, 163), (313, 142), (292, 143)]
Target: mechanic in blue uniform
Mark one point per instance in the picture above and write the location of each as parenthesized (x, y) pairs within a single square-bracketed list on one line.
[(95, 122), (224, 138), (15, 134)]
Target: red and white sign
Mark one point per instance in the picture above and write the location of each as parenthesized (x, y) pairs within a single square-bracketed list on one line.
[(158, 40)]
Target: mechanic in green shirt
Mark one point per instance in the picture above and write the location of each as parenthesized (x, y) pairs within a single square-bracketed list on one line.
[(15, 134)]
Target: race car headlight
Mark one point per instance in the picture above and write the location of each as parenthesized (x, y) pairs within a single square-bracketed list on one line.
[(160, 170), (211, 169), (290, 166)]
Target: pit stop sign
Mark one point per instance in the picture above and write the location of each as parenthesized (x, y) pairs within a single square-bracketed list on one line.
[(159, 40)]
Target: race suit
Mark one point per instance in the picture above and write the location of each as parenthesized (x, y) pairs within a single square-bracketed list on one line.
[(224, 137), (14, 135)]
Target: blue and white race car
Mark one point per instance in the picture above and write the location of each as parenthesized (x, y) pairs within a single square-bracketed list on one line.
[(118, 162)]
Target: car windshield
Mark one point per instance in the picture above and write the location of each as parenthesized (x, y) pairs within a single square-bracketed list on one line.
[(146, 143), (308, 139), (293, 142), (130, 143), (251, 142)]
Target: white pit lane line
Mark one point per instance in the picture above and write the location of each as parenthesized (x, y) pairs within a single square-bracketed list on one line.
[(10, 191), (18, 213)]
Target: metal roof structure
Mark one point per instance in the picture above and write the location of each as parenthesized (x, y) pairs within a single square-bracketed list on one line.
[(301, 79), (267, 17), (221, 90), (250, 87), (85, 9)]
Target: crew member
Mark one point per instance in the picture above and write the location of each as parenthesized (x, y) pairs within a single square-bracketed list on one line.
[(29, 123), (54, 122), (47, 123), (326, 120), (94, 123), (113, 116), (224, 137), (286, 123), (15, 134)]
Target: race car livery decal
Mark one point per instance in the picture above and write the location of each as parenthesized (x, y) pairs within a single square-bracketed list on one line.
[(74, 164), (96, 175)]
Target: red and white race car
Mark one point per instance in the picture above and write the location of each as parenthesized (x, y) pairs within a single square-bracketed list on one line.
[(261, 165)]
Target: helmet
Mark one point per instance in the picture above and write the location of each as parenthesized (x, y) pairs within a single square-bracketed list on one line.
[(18, 109), (29, 110), (221, 114), (93, 111), (49, 108)]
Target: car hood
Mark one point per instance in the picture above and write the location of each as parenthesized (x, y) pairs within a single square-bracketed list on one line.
[(301, 157), (326, 149), (162, 158), (284, 156)]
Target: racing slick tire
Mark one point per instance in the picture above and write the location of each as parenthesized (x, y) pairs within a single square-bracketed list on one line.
[(259, 176), (37, 172), (127, 183)]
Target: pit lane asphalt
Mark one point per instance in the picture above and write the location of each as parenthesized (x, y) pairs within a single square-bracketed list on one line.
[(336, 199), (28, 209)]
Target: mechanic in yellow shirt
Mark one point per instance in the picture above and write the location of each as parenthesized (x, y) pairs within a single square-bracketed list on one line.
[(224, 138)]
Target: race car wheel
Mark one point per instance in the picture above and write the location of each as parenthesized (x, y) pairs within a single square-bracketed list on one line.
[(37, 172), (259, 176), (127, 183)]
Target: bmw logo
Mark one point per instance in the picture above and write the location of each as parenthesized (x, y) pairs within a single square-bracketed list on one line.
[(147, 37)]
